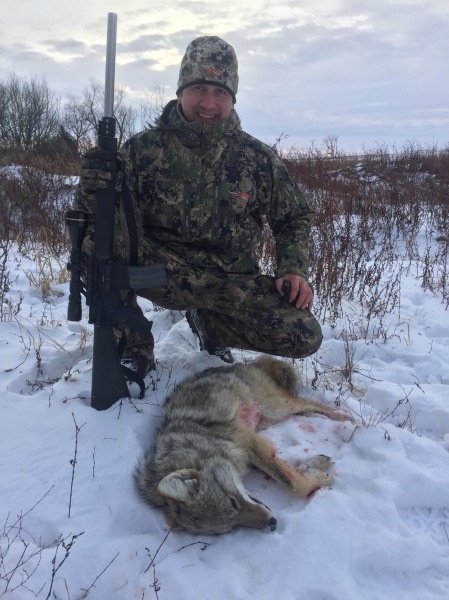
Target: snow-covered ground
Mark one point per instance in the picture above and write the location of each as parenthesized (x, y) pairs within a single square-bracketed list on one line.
[(71, 525)]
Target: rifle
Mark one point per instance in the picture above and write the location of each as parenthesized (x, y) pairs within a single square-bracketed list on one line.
[(106, 278)]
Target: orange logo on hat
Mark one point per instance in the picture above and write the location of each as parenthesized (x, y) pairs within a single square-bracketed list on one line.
[(215, 70)]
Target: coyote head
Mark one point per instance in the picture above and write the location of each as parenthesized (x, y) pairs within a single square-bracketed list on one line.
[(212, 500)]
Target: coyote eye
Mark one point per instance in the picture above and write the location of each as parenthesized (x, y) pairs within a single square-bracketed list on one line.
[(234, 504)]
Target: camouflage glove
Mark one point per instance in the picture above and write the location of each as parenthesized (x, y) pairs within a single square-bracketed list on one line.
[(97, 167)]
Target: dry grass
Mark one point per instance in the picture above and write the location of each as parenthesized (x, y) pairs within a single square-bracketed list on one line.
[(378, 215), (371, 212)]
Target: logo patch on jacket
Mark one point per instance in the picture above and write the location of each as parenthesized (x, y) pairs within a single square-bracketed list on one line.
[(237, 195)]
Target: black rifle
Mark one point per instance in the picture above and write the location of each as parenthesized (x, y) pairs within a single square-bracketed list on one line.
[(106, 279)]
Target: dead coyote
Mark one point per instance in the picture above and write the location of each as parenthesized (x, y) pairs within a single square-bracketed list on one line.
[(208, 441)]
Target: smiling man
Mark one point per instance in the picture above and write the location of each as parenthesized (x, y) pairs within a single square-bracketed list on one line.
[(205, 103), (199, 189)]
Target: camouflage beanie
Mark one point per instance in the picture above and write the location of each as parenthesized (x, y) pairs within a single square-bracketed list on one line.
[(210, 60)]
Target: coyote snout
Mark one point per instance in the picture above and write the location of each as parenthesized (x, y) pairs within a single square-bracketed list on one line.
[(209, 440), (212, 500)]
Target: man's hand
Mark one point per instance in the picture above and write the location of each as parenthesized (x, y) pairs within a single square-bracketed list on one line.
[(97, 167), (300, 293)]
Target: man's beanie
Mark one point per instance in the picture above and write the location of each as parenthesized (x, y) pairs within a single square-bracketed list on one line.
[(209, 60)]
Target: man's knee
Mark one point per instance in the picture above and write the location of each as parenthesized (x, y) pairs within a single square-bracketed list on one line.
[(310, 340), (302, 335)]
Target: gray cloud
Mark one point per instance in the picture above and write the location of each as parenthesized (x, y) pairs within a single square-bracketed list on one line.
[(367, 72)]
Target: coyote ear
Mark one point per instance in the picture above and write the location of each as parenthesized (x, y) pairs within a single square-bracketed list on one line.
[(180, 485)]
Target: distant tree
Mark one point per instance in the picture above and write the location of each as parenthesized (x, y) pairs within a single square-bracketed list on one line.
[(29, 113), (33, 119), (77, 125), (82, 115), (3, 108), (151, 109), (125, 116), (61, 149)]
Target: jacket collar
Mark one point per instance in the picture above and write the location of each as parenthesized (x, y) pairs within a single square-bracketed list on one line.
[(194, 135)]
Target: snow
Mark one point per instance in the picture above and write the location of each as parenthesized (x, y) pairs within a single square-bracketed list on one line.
[(72, 526)]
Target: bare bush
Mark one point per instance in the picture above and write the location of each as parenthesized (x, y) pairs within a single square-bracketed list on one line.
[(33, 202), (371, 211)]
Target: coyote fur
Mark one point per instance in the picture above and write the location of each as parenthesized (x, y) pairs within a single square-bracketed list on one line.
[(208, 441)]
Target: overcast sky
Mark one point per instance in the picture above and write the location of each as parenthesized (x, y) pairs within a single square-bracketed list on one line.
[(372, 72)]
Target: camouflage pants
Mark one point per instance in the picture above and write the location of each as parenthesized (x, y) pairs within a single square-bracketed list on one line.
[(237, 310)]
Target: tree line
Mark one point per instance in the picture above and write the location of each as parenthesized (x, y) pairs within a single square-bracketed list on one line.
[(35, 120)]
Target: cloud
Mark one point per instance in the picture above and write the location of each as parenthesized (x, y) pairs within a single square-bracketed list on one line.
[(360, 70)]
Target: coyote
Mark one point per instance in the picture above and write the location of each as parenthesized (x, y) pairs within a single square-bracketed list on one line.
[(208, 441)]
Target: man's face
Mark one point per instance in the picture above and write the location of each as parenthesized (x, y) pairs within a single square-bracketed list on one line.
[(205, 103)]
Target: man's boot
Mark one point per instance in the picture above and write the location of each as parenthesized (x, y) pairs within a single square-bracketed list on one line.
[(194, 321)]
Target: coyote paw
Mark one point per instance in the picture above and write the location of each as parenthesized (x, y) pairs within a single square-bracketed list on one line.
[(317, 471), (320, 462)]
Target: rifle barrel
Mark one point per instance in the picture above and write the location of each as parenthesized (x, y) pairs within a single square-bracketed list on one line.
[(110, 66)]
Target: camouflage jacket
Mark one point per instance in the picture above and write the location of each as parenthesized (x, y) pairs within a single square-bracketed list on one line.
[(201, 189)]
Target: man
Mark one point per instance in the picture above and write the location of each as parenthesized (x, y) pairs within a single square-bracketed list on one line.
[(201, 187)]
